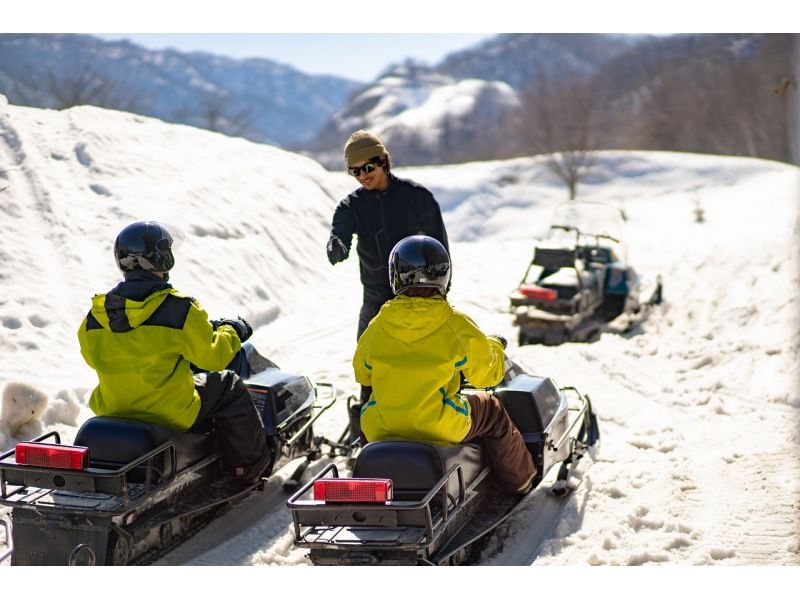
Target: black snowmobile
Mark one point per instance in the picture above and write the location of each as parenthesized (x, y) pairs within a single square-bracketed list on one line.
[(580, 279), (127, 492), (421, 503)]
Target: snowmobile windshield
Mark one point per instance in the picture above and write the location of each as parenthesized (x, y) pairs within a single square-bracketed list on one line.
[(588, 224)]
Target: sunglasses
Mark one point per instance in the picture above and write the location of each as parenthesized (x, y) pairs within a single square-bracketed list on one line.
[(367, 168)]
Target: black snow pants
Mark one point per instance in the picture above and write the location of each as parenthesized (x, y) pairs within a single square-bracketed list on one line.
[(374, 299), (225, 401)]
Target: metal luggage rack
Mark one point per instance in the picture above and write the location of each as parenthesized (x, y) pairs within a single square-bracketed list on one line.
[(424, 514), (90, 480)]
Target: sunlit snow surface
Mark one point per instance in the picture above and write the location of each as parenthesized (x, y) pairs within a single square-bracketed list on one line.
[(698, 409)]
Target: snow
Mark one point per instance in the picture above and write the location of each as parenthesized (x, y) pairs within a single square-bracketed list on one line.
[(698, 462)]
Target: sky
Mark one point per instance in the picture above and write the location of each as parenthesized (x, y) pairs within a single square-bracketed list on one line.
[(323, 37), (359, 56), (698, 462)]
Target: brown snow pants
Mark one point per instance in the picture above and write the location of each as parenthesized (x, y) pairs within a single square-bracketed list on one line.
[(508, 455)]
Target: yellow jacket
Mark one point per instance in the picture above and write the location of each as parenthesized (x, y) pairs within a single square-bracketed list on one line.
[(411, 354), (141, 351)]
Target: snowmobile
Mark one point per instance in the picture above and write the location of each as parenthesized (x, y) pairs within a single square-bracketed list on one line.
[(127, 492), (411, 502), (580, 281)]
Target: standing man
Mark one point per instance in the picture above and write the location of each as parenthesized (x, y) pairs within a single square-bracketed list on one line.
[(384, 210)]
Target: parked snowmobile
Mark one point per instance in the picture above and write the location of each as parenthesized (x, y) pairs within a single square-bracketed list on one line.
[(580, 279), (422, 503), (127, 492)]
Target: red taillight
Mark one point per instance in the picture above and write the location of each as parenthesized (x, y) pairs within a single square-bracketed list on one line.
[(353, 490), (52, 455), (531, 291)]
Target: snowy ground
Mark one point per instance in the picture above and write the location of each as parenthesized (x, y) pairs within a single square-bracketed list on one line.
[(700, 456)]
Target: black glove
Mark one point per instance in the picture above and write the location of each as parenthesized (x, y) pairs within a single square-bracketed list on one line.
[(337, 252), (240, 325), (501, 338)]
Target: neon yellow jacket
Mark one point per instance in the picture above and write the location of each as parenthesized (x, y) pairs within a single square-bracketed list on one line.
[(141, 351), (411, 354)]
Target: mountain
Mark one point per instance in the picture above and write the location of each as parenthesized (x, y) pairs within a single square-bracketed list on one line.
[(426, 117), (461, 109), (258, 99), (520, 59), (708, 93)]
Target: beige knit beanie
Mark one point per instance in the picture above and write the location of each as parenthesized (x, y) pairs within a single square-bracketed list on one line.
[(362, 146)]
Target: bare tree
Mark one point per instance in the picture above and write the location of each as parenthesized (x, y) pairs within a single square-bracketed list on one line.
[(217, 114), (85, 85), (561, 120), (713, 100)]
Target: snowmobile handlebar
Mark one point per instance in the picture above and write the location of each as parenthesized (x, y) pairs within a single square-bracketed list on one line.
[(320, 409)]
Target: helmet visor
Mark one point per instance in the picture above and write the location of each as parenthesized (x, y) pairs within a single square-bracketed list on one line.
[(177, 234)]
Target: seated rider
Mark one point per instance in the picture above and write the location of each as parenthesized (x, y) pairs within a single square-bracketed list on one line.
[(143, 337), (413, 353)]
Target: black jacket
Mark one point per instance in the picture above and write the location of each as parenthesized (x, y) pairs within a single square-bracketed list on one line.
[(381, 219)]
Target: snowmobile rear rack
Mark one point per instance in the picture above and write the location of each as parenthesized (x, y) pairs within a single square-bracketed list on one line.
[(113, 482), (412, 516)]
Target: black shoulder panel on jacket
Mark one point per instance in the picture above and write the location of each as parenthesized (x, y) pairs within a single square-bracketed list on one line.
[(92, 323), (171, 313)]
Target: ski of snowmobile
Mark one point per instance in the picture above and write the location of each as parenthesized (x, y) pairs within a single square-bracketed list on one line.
[(8, 539)]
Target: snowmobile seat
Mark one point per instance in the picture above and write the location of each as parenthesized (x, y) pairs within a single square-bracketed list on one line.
[(114, 442), (567, 281), (415, 467), (553, 258)]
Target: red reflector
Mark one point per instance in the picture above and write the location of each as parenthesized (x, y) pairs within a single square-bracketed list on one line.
[(52, 455), (531, 291), (353, 490)]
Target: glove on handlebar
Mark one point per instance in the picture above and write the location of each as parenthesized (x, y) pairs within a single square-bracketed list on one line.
[(239, 324), (501, 338), (337, 252)]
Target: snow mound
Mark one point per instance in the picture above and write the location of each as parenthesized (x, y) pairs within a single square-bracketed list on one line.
[(23, 407)]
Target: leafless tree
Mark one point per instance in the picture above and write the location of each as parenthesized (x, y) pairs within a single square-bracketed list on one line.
[(562, 120), (86, 85), (714, 100), (218, 115)]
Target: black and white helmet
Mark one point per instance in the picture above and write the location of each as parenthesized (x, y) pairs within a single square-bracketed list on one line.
[(146, 245), (419, 261)]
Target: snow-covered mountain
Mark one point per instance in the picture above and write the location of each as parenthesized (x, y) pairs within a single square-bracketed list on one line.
[(258, 99), (424, 116)]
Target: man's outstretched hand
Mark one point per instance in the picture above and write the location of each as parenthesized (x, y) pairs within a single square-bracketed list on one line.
[(337, 252)]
